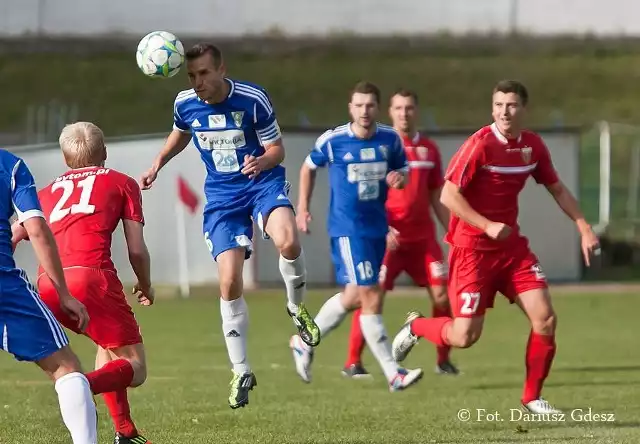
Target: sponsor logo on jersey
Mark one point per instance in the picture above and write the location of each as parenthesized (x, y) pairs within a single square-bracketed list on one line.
[(357, 172), (222, 140), (217, 121), (367, 154)]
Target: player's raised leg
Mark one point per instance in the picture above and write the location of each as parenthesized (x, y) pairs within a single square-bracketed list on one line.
[(281, 227)]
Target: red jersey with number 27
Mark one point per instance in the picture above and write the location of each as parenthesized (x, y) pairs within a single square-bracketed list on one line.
[(409, 209), (84, 207), (491, 170)]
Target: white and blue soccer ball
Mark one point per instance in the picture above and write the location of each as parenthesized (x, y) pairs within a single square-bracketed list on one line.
[(160, 54)]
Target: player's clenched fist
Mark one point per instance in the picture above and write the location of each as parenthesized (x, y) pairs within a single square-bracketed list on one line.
[(498, 231), (303, 218), (145, 296), (75, 310), (395, 180), (148, 178)]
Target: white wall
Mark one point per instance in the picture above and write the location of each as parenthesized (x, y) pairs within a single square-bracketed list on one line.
[(306, 17), (552, 236)]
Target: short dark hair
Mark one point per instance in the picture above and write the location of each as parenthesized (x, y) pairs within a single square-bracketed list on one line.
[(200, 49), (366, 88), (404, 92), (515, 87)]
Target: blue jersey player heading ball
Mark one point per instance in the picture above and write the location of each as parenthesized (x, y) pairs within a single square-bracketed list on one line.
[(364, 158), (234, 127), (28, 329)]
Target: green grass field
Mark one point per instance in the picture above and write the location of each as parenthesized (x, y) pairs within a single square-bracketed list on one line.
[(184, 399)]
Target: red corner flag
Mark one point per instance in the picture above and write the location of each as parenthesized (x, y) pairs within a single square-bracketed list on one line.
[(187, 195)]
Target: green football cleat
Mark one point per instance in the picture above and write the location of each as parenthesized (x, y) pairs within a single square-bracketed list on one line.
[(240, 387), (307, 328)]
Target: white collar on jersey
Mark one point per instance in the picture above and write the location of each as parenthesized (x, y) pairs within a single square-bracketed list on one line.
[(416, 138), (351, 133), (499, 136)]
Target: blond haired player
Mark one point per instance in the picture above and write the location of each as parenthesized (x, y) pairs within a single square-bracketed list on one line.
[(84, 206)]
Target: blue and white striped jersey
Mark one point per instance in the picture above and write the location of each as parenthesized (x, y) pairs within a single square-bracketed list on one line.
[(357, 178), (18, 195), (225, 132)]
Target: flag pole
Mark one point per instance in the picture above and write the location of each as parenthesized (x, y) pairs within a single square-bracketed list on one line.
[(182, 250)]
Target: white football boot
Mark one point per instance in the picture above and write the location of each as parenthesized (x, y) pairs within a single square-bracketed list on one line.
[(540, 406), (302, 357), (405, 340), (404, 379)]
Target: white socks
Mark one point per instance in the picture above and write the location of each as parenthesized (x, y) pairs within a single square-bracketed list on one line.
[(77, 408), (330, 315), (378, 341), (235, 322), (294, 275)]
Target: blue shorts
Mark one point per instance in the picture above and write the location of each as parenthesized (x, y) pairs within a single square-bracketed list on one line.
[(231, 225), (357, 260), (28, 328)]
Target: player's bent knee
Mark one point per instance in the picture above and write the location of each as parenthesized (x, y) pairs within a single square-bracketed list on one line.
[(139, 373), (545, 324), (370, 299), (60, 363), (231, 283), (465, 332), (440, 297)]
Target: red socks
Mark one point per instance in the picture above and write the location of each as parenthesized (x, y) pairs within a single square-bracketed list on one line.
[(112, 380), (356, 340), (118, 406), (541, 349), (112, 377), (431, 329), (442, 350)]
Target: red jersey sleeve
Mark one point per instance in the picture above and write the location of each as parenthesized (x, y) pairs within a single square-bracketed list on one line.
[(545, 173), (132, 208), (465, 163), (436, 180)]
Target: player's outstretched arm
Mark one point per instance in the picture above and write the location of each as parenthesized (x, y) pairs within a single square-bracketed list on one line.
[(46, 250), (175, 144), (305, 191), (139, 259), (568, 203), (453, 199)]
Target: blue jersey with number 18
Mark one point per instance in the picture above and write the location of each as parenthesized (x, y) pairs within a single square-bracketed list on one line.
[(357, 178), (225, 132)]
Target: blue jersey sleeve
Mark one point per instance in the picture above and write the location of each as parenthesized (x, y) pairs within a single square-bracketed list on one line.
[(398, 158), (178, 123), (24, 195), (265, 122), (320, 155)]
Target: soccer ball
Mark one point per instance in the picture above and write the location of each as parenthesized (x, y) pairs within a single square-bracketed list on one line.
[(160, 54)]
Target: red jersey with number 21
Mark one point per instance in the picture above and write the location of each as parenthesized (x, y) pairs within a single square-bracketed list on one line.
[(491, 170), (84, 207)]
